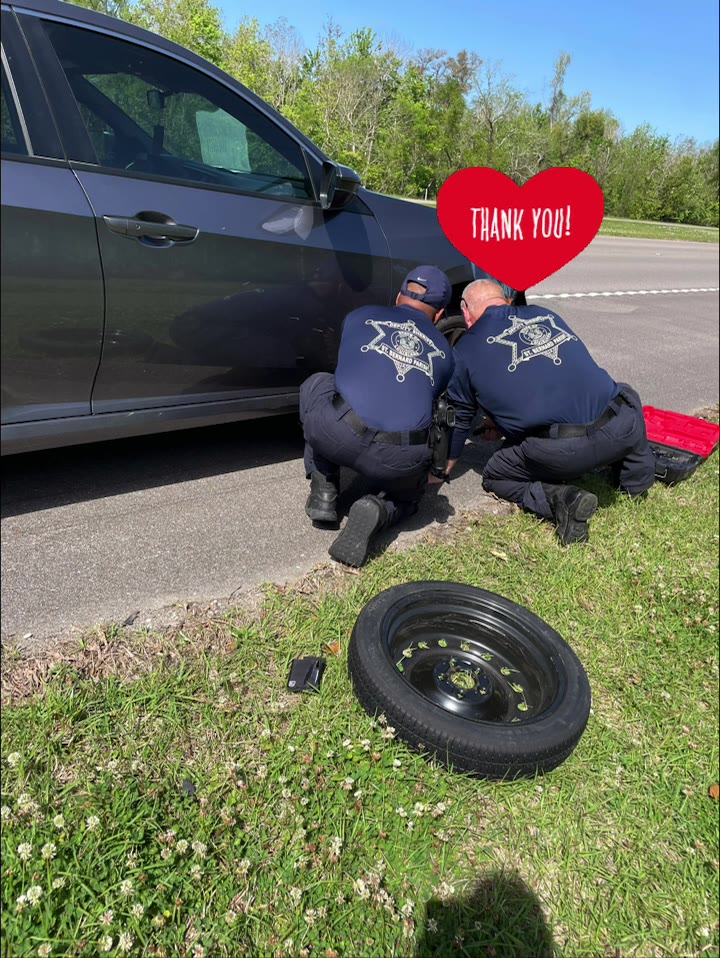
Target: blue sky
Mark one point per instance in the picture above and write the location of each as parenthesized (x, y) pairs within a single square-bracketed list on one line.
[(648, 61)]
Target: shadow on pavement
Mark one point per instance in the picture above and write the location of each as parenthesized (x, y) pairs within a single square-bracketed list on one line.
[(500, 917), (35, 481)]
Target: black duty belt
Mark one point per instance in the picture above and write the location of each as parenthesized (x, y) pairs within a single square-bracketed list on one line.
[(414, 437), (566, 430)]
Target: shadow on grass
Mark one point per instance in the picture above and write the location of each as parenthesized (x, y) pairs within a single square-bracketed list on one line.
[(500, 917)]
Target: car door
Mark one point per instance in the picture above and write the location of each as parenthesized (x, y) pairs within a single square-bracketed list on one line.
[(224, 279), (52, 287)]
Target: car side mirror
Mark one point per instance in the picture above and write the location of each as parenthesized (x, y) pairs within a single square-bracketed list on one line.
[(338, 184)]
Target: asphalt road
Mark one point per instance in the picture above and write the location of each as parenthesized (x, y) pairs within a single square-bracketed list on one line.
[(125, 530)]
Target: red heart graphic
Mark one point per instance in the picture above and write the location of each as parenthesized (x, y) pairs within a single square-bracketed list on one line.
[(520, 234)]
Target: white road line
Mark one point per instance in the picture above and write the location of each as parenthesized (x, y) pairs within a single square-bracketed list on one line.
[(628, 292)]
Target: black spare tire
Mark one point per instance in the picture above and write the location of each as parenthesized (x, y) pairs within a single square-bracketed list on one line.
[(472, 679)]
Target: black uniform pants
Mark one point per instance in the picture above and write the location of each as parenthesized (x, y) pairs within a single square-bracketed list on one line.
[(398, 471), (516, 471)]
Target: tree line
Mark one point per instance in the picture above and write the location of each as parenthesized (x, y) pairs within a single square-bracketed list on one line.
[(407, 121)]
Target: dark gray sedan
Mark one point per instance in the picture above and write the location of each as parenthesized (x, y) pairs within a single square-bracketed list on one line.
[(174, 253)]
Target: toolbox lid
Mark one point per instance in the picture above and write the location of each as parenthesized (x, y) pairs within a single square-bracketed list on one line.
[(680, 431)]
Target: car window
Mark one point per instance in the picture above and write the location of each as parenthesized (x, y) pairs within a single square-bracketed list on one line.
[(13, 140), (148, 113)]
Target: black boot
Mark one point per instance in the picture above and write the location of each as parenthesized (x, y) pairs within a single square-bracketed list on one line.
[(367, 517), (321, 505), (571, 508)]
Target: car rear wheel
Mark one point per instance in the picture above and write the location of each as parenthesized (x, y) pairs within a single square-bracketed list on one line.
[(470, 678)]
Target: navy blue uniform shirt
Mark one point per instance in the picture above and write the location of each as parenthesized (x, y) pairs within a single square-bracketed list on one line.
[(392, 364), (525, 367)]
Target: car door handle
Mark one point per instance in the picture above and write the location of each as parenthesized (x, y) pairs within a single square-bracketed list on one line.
[(139, 228)]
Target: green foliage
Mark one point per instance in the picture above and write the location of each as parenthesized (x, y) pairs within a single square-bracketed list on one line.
[(407, 122)]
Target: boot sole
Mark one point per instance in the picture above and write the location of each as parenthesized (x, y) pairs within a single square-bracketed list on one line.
[(353, 544), (573, 526), (585, 507)]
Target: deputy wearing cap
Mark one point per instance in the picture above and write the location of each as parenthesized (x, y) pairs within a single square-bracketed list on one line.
[(374, 414)]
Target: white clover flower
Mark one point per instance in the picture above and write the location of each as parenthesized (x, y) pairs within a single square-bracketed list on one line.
[(388, 732), (310, 916), (131, 860), (137, 910), (166, 853), (347, 743), (336, 845), (291, 749), (295, 894), (410, 826), (27, 804), (432, 926), (24, 851), (397, 763), (198, 951), (44, 950), (230, 917), (443, 835), (48, 851), (330, 754), (401, 812), (196, 872), (92, 823), (58, 883), (182, 846), (407, 909), (366, 744), (200, 849), (5, 812), (282, 779), (340, 899), (107, 917), (59, 821), (261, 774), (126, 888), (34, 894), (243, 866), (21, 902), (361, 889), (357, 794), (418, 809), (286, 793), (348, 784), (13, 759), (125, 942), (169, 836), (105, 943)]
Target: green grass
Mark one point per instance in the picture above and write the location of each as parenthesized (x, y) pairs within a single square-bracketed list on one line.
[(321, 835), (644, 229)]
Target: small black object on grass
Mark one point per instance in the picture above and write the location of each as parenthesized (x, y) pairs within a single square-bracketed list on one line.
[(306, 674)]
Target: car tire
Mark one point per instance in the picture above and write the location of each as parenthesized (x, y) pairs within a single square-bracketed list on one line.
[(453, 327), (469, 678)]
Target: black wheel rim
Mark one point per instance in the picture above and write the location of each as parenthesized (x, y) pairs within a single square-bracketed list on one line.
[(472, 659)]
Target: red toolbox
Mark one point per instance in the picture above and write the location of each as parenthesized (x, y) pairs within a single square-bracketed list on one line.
[(680, 443)]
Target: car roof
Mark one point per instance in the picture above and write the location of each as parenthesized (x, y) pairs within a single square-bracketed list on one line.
[(70, 11)]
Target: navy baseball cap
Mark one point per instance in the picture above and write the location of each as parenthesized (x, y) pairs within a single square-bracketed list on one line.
[(438, 291)]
